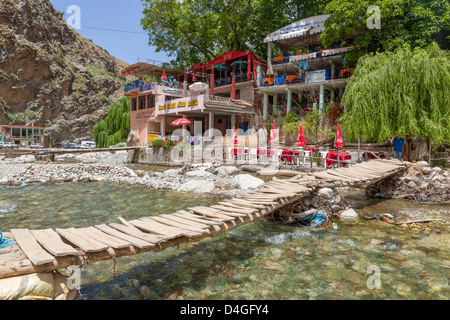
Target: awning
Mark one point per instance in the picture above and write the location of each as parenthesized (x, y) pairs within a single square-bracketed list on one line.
[(142, 68), (294, 35)]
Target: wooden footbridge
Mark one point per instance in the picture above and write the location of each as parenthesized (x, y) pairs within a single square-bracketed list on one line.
[(47, 250)]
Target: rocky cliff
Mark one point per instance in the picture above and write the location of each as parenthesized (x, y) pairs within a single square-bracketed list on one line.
[(49, 74)]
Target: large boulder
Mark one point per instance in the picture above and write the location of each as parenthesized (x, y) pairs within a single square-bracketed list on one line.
[(226, 170), (133, 139), (200, 186), (198, 174), (247, 182)]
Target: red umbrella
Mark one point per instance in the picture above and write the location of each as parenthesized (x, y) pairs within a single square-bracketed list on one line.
[(164, 77), (338, 142), (181, 122), (194, 78), (273, 135), (235, 141), (301, 138)]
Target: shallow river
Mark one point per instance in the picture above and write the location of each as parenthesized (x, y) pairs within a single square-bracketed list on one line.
[(260, 260)]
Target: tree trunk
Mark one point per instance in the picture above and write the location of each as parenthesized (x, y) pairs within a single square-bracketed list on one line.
[(429, 150)]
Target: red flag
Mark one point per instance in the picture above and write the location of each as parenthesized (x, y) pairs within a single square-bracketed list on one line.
[(338, 142), (301, 138), (164, 77), (194, 78), (273, 135)]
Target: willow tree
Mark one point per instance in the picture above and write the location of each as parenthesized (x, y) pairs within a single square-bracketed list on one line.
[(116, 126), (400, 93)]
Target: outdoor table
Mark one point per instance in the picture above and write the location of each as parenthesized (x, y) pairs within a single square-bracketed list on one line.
[(241, 152), (332, 154), (287, 155)]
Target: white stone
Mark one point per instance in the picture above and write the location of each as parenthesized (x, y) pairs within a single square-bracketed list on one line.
[(411, 184), (422, 163), (198, 174), (201, 186), (426, 170), (349, 214), (326, 193), (172, 172), (247, 181), (437, 169), (226, 170)]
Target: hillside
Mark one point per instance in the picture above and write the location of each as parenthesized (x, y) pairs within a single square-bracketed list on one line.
[(50, 75)]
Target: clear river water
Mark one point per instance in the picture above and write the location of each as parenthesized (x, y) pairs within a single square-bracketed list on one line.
[(260, 260)]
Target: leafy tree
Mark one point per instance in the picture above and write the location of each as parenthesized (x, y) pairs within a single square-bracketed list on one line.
[(403, 92), (116, 126), (200, 30), (416, 22)]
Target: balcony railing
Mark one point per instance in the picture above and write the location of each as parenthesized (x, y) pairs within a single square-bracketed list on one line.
[(344, 73), (309, 55), (228, 81), (139, 84)]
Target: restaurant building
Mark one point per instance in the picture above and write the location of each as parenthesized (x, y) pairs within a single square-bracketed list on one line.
[(306, 75), (22, 135), (220, 95)]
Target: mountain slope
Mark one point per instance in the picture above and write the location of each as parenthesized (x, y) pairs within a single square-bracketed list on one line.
[(49, 74)]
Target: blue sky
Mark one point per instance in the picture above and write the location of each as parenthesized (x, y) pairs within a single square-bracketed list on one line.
[(117, 15)]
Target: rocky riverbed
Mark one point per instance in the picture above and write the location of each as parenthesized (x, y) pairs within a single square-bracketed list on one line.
[(420, 182), (205, 178)]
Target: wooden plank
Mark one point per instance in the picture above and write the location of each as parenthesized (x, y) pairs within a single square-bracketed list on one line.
[(135, 232), (176, 224), (83, 241), (214, 224), (185, 221), (182, 231), (244, 203), (52, 242), (235, 211), (196, 217), (138, 243), (211, 213), (31, 248), (107, 239)]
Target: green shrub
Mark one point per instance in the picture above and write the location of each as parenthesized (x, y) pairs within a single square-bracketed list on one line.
[(157, 143)]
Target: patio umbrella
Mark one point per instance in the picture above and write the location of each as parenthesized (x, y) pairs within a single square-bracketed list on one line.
[(164, 77), (338, 142), (301, 138), (235, 141), (239, 64), (194, 77), (181, 122), (273, 135), (221, 68)]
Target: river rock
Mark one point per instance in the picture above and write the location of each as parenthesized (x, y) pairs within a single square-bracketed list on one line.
[(426, 170), (437, 169), (349, 214), (422, 163), (172, 172), (226, 170), (198, 174), (247, 181), (201, 186), (326, 193), (411, 184)]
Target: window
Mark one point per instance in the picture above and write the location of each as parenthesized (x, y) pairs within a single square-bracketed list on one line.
[(150, 101), (168, 98), (24, 133), (30, 133), (141, 102), (16, 132), (36, 131), (133, 104)]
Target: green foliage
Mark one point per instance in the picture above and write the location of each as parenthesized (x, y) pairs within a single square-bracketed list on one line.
[(21, 118), (157, 143), (169, 144), (291, 124), (200, 30), (115, 127), (314, 124), (403, 92), (416, 22)]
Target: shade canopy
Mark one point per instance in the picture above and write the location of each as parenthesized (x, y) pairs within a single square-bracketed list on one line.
[(146, 69), (239, 64), (198, 86)]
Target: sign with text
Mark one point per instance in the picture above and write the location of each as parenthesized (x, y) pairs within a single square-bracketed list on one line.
[(315, 76)]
